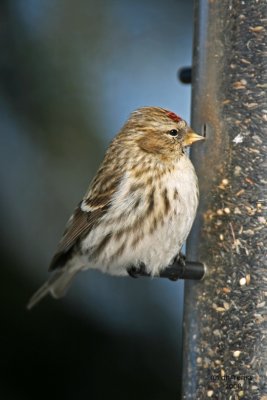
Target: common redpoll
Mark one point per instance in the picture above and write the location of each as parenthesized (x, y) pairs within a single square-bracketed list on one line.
[(138, 209)]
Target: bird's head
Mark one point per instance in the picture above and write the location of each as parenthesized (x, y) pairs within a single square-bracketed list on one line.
[(160, 132)]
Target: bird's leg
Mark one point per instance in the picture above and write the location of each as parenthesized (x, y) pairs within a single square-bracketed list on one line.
[(134, 271), (180, 259)]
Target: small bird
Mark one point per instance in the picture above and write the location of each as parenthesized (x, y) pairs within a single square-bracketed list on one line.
[(138, 209)]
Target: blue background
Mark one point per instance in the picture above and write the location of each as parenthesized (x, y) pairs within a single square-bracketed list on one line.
[(70, 74)]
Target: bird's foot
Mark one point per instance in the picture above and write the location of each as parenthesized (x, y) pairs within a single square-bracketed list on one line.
[(181, 259), (134, 271)]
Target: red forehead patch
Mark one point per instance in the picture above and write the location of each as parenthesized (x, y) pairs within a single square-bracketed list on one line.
[(173, 116)]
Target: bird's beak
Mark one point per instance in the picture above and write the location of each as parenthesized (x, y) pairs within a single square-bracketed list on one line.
[(191, 137)]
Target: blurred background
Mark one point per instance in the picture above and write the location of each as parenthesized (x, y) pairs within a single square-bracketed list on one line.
[(70, 74)]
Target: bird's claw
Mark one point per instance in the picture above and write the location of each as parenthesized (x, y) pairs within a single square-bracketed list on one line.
[(134, 271), (181, 259)]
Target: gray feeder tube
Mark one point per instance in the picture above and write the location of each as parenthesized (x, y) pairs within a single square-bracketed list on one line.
[(225, 317)]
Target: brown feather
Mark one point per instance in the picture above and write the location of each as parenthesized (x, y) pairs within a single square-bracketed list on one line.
[(80, 224), (98, 199)]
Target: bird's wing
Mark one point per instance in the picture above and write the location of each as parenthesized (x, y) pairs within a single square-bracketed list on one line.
[(87, 214), (80, 223)]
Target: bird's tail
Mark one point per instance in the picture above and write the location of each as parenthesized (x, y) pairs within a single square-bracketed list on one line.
[(57, 286)]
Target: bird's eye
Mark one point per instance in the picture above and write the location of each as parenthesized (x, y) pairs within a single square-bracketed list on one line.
[(173, 132)]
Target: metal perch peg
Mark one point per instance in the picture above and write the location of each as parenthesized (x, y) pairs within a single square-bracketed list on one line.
[(185, 75), (180, 269)]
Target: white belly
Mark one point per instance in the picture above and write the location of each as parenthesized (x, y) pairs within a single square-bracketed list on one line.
[(158, 247)]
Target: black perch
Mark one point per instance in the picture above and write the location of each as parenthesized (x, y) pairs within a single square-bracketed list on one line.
[(178, 270), (225, 318)]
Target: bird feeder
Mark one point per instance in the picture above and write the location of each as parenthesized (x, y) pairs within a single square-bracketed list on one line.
[(225, 316)]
